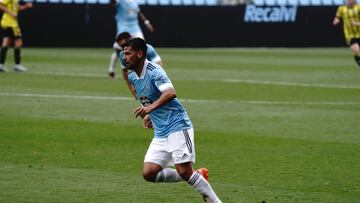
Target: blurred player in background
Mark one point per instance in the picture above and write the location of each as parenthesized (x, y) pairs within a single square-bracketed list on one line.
[(127, 20), (11, 32), (349, 14), (173, 142), (151, 55)]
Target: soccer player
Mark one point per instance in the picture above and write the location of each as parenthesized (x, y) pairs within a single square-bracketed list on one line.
[(11, 31), (151, 55), (173, 141), (350, 16), (127, 20)]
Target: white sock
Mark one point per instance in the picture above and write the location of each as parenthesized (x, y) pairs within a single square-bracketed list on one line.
[(203, 186), (168, 175), (113, 60)]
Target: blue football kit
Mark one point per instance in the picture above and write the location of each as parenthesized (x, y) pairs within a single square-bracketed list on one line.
[(127, 16), (172, 116)]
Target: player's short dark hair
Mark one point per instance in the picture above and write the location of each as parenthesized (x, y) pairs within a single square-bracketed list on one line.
[(123, 35), (137, 44)]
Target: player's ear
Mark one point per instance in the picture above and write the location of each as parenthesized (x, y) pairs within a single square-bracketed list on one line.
[(140, 54)]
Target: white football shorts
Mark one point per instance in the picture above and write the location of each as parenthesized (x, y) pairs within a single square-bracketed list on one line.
[(177, 148)]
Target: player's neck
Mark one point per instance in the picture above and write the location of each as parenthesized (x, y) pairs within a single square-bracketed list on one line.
[(139, 68)]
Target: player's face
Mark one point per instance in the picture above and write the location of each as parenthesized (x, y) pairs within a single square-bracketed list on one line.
[(131, 57), (122, 43), (351, 2)]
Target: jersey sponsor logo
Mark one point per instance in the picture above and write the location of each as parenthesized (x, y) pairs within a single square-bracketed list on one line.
[(145, 101), (270, 14)]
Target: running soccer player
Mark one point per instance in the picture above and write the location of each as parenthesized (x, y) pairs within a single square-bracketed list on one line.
[(11, 31), (151, 55), (127, 20), (350, 16), (173, 141)]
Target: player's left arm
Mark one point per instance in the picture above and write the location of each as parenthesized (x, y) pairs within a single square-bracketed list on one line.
[(153, 56), (128, 83), (25, 6), (147, 22), (338, 16)]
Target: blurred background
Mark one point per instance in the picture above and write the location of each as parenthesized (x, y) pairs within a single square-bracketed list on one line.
[(187, 23)]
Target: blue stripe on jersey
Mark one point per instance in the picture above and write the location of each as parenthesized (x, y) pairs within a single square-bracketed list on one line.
[(150, 66)]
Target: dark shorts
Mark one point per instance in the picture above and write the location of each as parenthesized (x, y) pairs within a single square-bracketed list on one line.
[(11, 32), (354, 41)]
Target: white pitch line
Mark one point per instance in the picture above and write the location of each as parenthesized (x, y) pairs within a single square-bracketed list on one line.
[(88, 97), (66, 96), (216, 80), (293, 84)]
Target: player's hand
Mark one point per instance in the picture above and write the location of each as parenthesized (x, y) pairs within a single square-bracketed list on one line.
[(149, 26), (29, 5), (141, 111), (147, 122), (355, 23)]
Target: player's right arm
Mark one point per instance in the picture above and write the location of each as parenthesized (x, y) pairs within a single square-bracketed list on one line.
[(25, 6), (6, 10), (147, 23)]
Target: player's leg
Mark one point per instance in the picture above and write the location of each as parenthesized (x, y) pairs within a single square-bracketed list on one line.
[(156, 163), (355, 49), (18, 42), (113, 59), (17, 55), (196, 180), (7, 34), (182, 143)]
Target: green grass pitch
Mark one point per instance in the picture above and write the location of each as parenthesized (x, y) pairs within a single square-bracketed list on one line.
[(271, 125)]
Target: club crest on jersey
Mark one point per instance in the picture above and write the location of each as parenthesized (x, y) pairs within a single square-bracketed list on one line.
[(145, 101)]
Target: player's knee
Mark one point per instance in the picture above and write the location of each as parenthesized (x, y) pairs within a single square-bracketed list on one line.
[(185, 173), (149, 176)]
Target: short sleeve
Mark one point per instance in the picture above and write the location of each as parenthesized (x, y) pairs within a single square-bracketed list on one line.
[(161, 80), (339, 14)]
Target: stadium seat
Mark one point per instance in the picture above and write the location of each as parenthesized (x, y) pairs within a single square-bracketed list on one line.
[(188, 2), (152, 2), (164, 2), (79, 1), (327, 2), (315, 2), (304, 2), (176, 2), (211, 2), (339, 2), (293, 2), (199, 2), (270, 2), (281, 2), (141, 2), (91, 1), (259, 2)]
